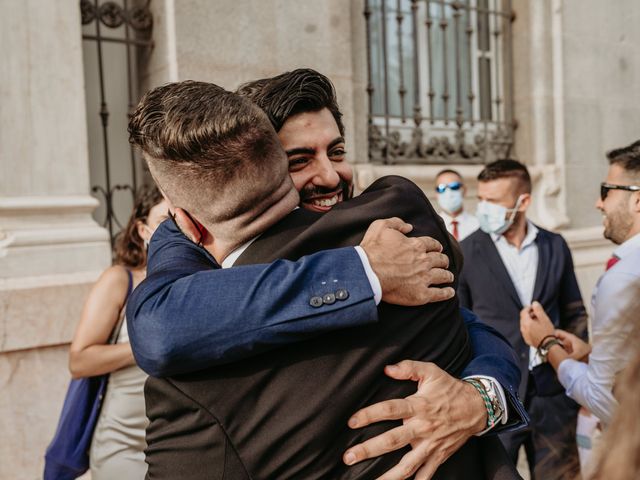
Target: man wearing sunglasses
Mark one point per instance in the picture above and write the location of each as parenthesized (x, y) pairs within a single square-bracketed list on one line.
[(451, 192), (591, 385)]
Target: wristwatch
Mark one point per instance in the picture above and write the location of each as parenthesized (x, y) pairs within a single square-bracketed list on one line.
[(543, 350)]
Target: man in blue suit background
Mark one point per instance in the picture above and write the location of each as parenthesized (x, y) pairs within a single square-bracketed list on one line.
[(180, 274), (509, 263)]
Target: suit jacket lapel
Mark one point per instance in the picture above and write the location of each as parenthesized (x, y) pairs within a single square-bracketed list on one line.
[(544, 264), (486, 249)]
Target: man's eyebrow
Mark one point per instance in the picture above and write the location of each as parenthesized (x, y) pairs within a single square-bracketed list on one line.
[(296, 151), (335, 142), (311, 151)]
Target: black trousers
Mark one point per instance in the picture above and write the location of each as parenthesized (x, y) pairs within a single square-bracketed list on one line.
[(550, 439)]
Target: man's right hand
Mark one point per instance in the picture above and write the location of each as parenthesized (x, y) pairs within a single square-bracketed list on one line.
[(408, 268), (577, 348)]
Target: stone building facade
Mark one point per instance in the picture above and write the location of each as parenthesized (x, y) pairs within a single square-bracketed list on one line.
[(573, 73)]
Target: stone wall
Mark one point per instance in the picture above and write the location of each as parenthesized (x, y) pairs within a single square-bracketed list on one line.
[(575, 82), (51, 250), (243, 40)]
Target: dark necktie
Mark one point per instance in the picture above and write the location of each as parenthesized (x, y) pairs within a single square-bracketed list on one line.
[(612, 261)]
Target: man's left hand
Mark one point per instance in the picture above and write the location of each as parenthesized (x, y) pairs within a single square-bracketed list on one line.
[(437, 420), (577, 348)]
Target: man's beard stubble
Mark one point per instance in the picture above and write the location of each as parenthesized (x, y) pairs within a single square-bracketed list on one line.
[(617, 225)]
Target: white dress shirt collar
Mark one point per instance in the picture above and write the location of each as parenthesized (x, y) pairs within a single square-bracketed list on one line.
[(628, 246), (447, 218), (467, 223), (233, 256), (529, 238)]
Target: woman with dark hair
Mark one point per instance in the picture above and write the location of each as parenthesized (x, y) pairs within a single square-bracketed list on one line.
[(117, 448)]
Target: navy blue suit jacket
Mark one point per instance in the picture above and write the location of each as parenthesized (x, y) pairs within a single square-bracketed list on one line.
[(486, 288), (188, 314)]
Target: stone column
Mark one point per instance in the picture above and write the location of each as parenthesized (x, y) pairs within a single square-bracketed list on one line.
[(539, 106), (571, 87), (50, 248)]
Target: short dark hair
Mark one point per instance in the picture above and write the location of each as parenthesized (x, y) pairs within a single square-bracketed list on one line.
[(507, 168), (299, 91), (200, 141), (448, 170), (627, 157), (253, 89)]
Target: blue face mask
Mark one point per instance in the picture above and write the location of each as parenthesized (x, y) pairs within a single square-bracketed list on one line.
[(494, 218), (450, 200)]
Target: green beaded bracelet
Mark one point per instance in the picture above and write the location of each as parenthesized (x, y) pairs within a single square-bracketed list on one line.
[(491, 418)]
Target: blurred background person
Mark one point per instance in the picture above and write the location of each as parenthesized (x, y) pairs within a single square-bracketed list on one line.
[(591, 385), (117, 448), (618, 456), (508, 263), (451, 192)]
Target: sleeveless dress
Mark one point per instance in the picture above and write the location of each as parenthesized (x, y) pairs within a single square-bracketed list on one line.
[(117, 448)]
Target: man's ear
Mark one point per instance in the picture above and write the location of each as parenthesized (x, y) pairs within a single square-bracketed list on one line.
[(192, 228), (635, 201), (524, 202)]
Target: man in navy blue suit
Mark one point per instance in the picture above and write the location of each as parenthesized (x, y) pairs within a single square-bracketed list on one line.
[(322, 176), (509, 263)]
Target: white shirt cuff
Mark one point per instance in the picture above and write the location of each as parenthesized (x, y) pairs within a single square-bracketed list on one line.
[(502, 399), (371, 276)]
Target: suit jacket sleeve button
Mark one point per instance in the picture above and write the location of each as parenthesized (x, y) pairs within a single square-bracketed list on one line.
[(316, 302), (342, 294), (329, 299)]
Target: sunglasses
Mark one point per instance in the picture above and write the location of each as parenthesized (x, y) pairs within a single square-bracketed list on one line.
[(605, 187), (451, 186)]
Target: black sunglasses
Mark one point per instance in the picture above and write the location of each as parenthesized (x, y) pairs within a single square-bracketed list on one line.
[(605, 187)]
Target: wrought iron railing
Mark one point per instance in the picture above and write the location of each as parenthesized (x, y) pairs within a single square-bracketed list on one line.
[(439, 80), (137, 22)]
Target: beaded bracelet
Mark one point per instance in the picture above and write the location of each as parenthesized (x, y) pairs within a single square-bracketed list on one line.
[(491, 417)]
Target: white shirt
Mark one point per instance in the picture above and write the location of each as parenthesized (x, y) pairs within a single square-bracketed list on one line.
[(467, 224), (522, 266), (615, 309)]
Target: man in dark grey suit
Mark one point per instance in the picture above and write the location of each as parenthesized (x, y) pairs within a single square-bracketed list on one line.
[(509, 263)]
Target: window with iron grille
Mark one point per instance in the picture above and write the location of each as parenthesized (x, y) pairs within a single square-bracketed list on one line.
[(439, 80), (116, 37)]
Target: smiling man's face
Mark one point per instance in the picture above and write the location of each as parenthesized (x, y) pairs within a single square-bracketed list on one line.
[(316, 152)]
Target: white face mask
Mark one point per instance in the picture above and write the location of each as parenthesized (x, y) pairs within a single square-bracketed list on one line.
[(450, 200), (493, 217)]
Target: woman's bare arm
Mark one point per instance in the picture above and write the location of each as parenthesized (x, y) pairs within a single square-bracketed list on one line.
[(89, 354)]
